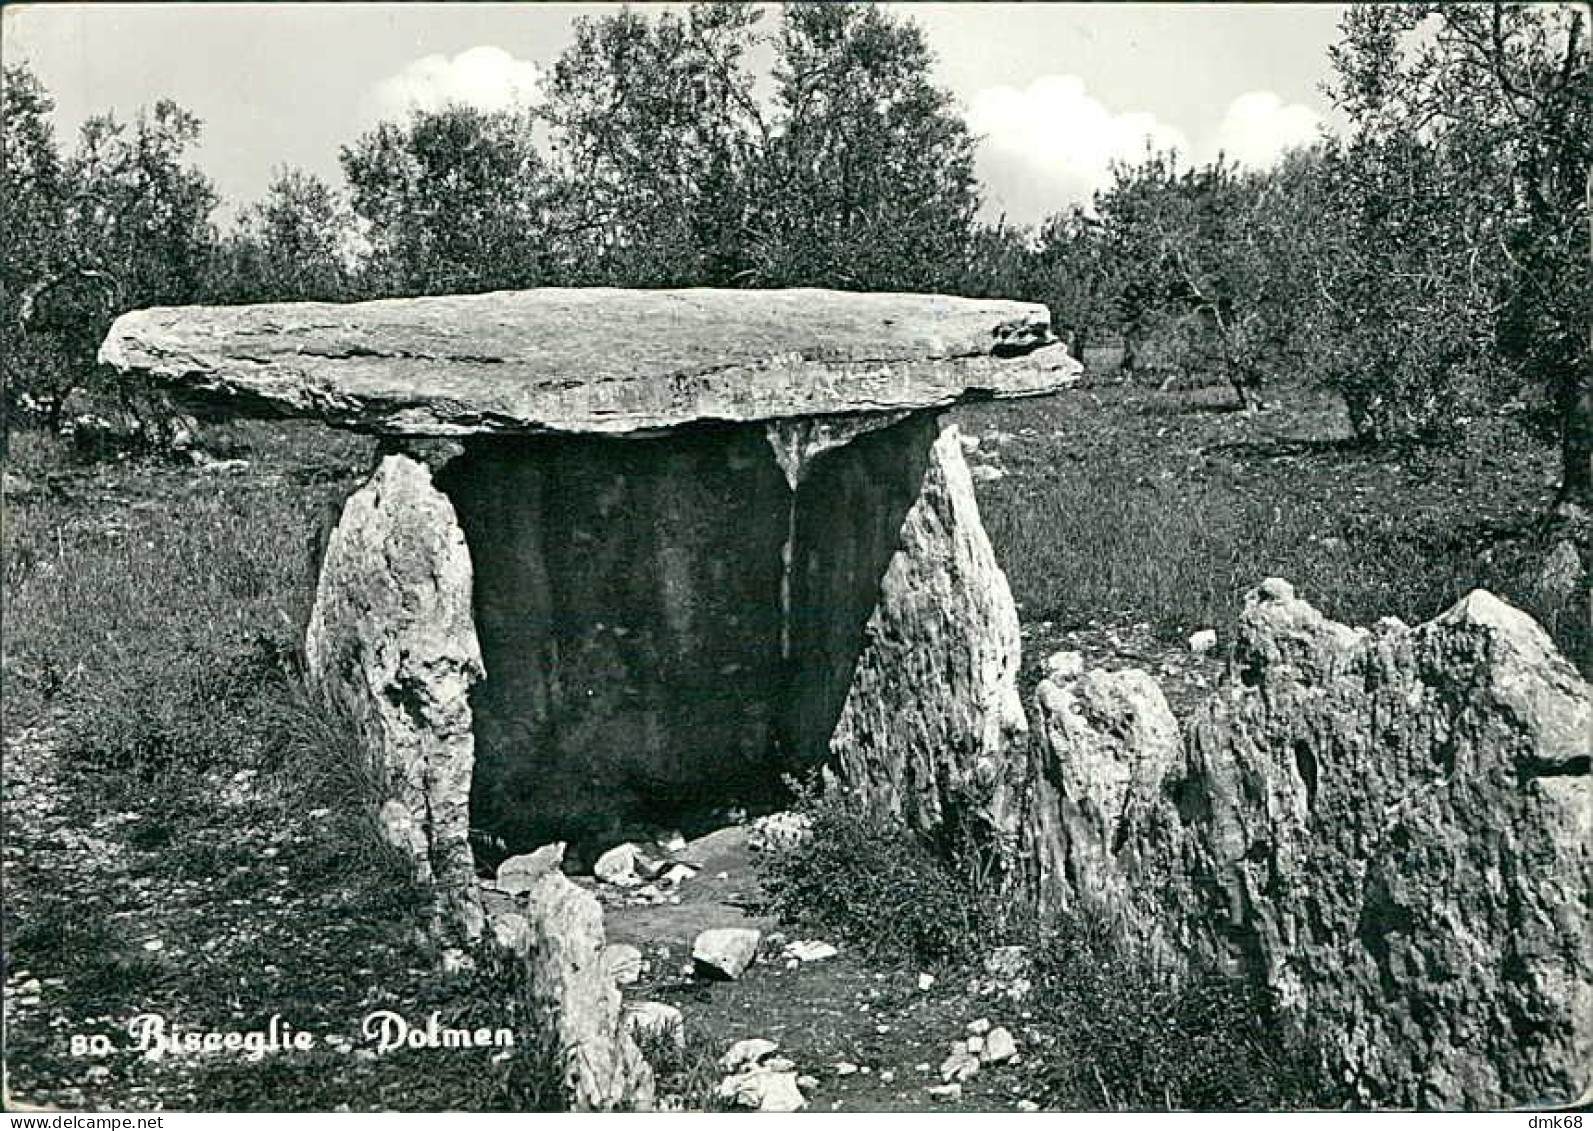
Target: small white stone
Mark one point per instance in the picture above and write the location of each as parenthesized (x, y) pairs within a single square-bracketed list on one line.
[(725, 952), (980, 1026), (1028, 1105), (1203, 641), (999, 1047), (960, 1065), (925, 981), (623, 963), (946, 1093), (810, 950), (845, 1068)]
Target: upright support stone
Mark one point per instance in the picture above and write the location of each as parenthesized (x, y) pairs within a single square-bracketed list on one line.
[(932, 724), (392, 642)]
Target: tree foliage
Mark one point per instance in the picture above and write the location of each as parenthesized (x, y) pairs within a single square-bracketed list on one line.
[(657, 138), (453, 200), (1464, 183), (122, 221), (292, 246)]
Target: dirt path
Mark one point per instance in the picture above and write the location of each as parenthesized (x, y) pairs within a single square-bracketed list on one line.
[(868, 1036)]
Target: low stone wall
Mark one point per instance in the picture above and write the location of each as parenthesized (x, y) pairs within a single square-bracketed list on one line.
[(1389, 829)]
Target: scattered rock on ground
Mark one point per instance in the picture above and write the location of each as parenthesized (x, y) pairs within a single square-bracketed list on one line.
[(618, 866), (747, 1053), (623, 963), (809, 950), (999, 1046), (959, 1065), (725, 952), (763, 1090)]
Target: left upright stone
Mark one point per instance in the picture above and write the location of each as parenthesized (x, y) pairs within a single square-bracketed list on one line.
[(392, 641)]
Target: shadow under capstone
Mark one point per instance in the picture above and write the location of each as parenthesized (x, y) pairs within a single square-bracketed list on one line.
[(667, 628)]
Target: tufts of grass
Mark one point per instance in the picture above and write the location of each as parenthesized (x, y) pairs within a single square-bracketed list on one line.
[(687, 1074), (1124, 1032), (865, 877)]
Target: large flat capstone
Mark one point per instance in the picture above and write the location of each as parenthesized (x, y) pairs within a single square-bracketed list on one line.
[(588, 360)]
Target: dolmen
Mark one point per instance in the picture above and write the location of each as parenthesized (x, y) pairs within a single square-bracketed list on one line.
[(628, 555)]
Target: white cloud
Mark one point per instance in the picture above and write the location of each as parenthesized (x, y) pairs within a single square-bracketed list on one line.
[(1258, 128), (488, 78), (1053, 143)]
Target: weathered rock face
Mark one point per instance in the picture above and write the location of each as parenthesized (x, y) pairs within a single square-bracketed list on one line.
[(1105, 745), (1389, 829), (932, 723), (1398, 828), (392, 641), (577, 999), (594, 359)]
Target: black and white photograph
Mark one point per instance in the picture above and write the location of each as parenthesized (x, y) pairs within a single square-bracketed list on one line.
[(826, 557)]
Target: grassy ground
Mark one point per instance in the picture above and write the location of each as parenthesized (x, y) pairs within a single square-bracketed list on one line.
[(182, 832), (185, 833), (1119, 506)]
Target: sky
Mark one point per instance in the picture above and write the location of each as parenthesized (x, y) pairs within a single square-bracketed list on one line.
[(1055, 91)]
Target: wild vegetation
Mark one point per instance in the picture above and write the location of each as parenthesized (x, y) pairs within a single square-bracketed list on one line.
[(1407, 302)]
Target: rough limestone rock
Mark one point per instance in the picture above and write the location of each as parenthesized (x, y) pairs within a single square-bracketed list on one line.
[(624, 963), (603, 1070), (932, 718), (763, 1089), (1105, 743), (594, 359), (518, 873), (748, 1053), (725, 952), (1392, 830), (391, 640)]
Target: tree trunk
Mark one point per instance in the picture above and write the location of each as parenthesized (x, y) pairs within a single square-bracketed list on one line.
[(1576, 447), (1576, 424)]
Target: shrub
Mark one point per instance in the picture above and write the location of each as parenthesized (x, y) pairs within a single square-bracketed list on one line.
[(865, 876)]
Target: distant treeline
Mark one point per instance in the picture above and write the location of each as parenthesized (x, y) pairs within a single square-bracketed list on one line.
[(1430, 263)]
